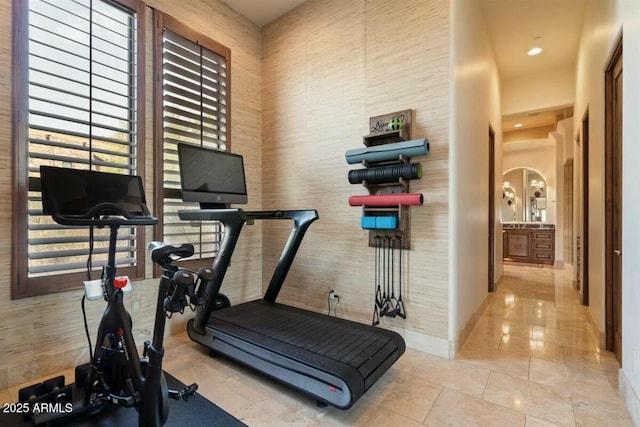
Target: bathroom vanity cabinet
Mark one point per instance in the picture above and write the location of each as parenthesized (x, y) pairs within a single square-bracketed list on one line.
[(529, 242)]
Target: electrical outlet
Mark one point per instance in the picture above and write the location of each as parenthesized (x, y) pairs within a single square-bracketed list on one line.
[(333, 300)]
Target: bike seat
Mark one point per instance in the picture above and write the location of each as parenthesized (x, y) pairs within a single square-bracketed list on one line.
[(161, 251)]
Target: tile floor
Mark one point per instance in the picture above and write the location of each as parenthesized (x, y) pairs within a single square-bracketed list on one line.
[(532, 360)]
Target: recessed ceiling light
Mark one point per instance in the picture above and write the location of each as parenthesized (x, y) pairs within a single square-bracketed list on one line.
[(536, 50), (517, 125), (535, 47)]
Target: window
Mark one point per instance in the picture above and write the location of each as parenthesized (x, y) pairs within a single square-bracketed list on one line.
[(192, 106), (78, 100)]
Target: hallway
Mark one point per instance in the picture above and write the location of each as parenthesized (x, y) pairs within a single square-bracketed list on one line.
[(532, 360), (543, 354)]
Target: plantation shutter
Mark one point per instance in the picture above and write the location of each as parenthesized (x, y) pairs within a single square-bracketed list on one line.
[(194, 111), (82, 113)]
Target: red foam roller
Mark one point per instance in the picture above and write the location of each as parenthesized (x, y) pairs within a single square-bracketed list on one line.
[(383, 200)]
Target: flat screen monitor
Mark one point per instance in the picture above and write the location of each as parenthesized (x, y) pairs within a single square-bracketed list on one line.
[(211, 177), (76, 191)]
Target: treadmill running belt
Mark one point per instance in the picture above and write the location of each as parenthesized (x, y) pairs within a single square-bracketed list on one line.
[(331, 359), (340, 340)]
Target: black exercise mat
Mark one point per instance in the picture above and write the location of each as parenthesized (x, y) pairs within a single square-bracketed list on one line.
[(194, 413)]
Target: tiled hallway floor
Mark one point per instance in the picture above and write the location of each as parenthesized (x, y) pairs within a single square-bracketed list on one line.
[(532, 360)]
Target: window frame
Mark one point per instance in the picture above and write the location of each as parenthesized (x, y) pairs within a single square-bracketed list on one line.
[(163, 21), (22, 285)]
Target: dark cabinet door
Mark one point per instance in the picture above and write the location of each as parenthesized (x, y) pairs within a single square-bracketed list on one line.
[(517, 245)]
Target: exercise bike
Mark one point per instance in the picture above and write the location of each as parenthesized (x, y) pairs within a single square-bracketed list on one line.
[(116, 375)]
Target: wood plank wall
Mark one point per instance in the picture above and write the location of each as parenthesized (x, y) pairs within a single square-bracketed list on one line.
[(327, 66), (43, 335)]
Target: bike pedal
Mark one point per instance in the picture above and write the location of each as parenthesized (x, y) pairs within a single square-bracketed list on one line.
[(186, 393), (190, 391), (126, 401)]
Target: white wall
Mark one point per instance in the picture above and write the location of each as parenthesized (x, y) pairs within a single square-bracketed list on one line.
[(558, 202), (475, 104), (565, 237), (565, 128), (631, 202), (599, 34), (604, 22), (564, 154), (539, 91)]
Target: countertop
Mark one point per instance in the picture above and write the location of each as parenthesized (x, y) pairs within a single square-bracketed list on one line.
[(527, 225)]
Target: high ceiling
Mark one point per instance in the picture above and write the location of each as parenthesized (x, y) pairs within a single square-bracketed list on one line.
[(512, 24), (261, 12)]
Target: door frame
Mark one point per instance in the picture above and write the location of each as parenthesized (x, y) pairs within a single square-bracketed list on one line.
[(585, 208), (492, 210), (609, 124)]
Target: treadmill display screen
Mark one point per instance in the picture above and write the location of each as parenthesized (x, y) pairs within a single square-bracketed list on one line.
[(211, 176)]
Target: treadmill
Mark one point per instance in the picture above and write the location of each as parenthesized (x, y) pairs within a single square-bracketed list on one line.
[(331, 359)]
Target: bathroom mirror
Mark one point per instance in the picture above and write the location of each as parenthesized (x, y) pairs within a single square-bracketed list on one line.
[(509, 202), (530, 196)]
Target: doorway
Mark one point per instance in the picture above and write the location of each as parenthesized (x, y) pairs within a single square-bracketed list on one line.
[(492, 209), (613, 201), (584, 244)]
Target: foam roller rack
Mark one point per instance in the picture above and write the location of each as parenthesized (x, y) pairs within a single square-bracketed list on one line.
[(385, 172)]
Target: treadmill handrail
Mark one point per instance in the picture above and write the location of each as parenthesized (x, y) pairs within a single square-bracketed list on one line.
[(224, 215), (233, 220), (302, 219)]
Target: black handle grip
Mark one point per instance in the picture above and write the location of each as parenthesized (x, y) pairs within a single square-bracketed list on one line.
[(97, 216), (177, 301), (198, 296)]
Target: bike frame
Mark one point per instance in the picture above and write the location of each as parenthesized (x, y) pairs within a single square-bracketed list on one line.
[(116, 320), (146, 391), (116, 373)]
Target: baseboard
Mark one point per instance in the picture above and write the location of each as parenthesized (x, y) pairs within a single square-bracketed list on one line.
[(425, 343), (601, 336), (439, 346), (630, 397), (464, 333), (497, 283)]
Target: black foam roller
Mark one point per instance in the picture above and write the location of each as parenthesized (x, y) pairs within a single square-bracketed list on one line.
[(385, 174)]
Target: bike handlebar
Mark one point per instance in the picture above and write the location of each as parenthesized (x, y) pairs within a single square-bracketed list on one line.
[(97, 216)]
